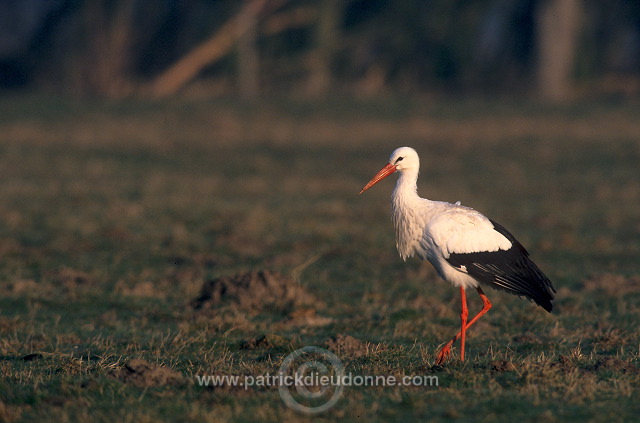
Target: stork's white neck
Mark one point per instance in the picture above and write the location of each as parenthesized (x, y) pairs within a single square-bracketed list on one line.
[(410, 213), (406, 188)]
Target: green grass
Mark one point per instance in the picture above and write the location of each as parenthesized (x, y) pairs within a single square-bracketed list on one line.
[(113, 215)]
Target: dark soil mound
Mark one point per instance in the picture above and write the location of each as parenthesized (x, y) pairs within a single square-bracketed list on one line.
[(500, 366), (253, 291), (268, 341), (346, 344), (615, 365), (141, 373)]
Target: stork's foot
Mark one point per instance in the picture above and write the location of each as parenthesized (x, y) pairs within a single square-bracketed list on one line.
[(444, 354)]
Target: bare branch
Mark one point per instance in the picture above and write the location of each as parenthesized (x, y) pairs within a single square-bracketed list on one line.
[(212, 49)]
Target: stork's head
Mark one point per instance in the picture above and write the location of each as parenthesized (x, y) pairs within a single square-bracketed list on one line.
[(402, 159)]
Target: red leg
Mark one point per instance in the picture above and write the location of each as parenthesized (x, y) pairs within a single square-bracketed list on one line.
[(445, 352), (486, 306), (464, 313)]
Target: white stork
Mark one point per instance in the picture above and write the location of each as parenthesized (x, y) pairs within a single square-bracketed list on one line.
[(465, 247)]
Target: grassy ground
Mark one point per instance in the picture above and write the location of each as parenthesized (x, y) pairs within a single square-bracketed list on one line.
[(113, 215)]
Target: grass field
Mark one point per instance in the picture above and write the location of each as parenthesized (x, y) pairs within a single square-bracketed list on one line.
[(113, 216)]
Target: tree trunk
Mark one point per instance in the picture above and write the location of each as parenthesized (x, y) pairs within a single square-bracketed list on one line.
[(327, 35), (248, 56), (558, 27), (101, 62)]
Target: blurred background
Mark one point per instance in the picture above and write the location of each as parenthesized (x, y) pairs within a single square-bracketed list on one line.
[(553, 50), (148, 147)]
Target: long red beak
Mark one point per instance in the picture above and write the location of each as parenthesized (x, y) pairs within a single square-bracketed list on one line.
[(384, 172)]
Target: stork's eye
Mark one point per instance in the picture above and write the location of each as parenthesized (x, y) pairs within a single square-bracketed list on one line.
[(399, 159)]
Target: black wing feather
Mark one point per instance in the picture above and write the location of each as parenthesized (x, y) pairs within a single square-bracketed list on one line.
[(511, 271)]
